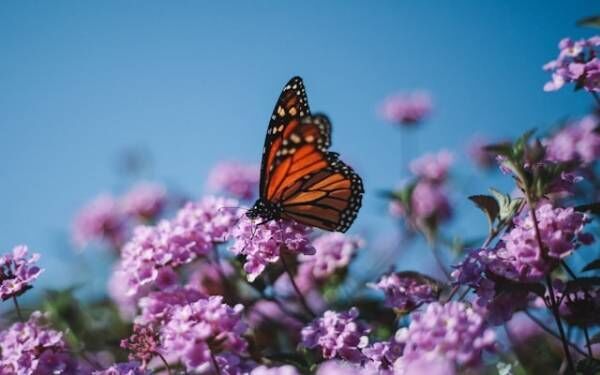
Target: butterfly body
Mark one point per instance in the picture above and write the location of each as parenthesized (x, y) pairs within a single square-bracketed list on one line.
[(300, 179)]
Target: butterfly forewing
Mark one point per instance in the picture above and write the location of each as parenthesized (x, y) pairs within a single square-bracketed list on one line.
[(310, 185)]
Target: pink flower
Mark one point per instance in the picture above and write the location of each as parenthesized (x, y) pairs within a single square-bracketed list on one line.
[(32, 348), (454, 330), (101, 219), (128, 368), (17, 273), (143, 344), (433, 167), (262, 244), (406, 109), (199, 329), (157, 307), (404, 291), (239, 180), (333, 252), (146, 200), (337, 335), (577, 62), (281, 370), (578, 141)]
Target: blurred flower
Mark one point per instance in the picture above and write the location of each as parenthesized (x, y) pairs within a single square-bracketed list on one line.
[(482, 158), (382, 355), (281, 370), (239, 180), (433, 167), (156, 307), (143, 344), (32, 348), (146, 201), (578, 141), (333, 252), (431, 363), (406, 109), (337, 367), (203, 328), (404, 291), (17, 273), (150, 256), (577, 62), (118, 291), (337, 335), (206, 277), (454, 330), (127, 368), (262, 244), (521, 329), (99, 220)]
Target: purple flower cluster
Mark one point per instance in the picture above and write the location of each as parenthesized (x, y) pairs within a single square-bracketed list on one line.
[(204, 328), (561, 232), (17, 272), (101, 219), (333, 253), (338, 335), (406, 109), (146, 200), (32, 348), (108, 219), (382, 355), (577, 62), (453, 330), (153, 252), (262, 244), (433, 167), (237, 179), (127, 368), (281, 370), (404, 292), (578, 141), (143, 344), (157, 306)]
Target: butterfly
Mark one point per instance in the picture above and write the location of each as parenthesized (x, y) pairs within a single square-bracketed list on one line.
[(300, 180)]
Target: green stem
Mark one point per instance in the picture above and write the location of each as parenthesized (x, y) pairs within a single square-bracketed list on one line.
[(214, 362), (18, 309), (298, 292), (164, 361), (551, 332)]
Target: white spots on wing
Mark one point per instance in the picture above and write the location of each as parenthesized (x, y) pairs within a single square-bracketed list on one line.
[(309, 139), (295, 138)]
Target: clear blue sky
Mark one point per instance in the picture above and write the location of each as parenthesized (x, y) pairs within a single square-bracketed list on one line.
[(194, 83)]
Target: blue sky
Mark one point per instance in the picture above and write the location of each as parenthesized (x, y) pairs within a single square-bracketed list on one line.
[(194, 83)]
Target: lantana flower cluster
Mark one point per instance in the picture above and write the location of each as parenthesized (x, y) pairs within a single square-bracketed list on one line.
[(576, 63), (406, 109)]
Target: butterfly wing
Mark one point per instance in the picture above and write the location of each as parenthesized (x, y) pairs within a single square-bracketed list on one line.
[(290, 108), (314, 186)]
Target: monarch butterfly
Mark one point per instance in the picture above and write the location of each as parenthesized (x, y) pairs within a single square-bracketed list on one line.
[(300, 179)]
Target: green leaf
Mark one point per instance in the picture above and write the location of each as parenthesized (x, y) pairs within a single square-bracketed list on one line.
[(593, 21), (594, 265), (588, 366), (488, 204), (593, 208), (504, 149), (508, 206)]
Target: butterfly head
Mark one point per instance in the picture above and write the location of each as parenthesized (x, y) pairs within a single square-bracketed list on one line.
[(265, 210)]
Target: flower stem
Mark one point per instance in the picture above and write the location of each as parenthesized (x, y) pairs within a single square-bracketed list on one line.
[(18, 309), (164, 361), (553, 306), (298, 292), (214, 362), (439, 261), (551, 332)]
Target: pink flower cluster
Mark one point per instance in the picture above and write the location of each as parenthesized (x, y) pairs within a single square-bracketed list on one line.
[(577, 62), (32, 348), (262, 244), (208, 327), (17, 272), (578, 141), (155, 251), (404, 292), (237, 179), (406, 109), (107, 218), (337, 335), (333, 252), (453, 330)]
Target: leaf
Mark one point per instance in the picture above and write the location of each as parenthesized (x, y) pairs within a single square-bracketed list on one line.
[(593, 208), (488, 204), (588, 366), (593, 265), (593, 21), (504, 149), (595, 339), (508, 206)]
